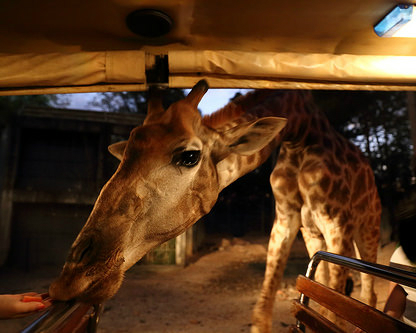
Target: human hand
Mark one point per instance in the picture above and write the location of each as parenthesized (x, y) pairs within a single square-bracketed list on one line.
[(20, 305)]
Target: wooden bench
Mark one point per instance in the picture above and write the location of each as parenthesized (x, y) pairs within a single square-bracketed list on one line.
[(355, 312)]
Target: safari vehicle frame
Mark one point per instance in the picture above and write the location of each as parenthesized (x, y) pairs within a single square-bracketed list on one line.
[(97, 46)]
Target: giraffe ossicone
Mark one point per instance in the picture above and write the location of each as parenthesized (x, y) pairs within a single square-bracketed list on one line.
[(173, 167)]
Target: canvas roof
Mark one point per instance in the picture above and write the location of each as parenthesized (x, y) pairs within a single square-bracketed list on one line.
[(56, 46)]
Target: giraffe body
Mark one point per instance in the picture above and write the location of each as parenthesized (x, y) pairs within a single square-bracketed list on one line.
[(323, 186), (175, 165)]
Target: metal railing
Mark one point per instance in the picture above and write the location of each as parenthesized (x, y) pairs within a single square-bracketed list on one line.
[(386, 272), (65, 317)]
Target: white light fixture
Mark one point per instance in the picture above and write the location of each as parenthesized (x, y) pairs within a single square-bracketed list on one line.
[(399, 22)]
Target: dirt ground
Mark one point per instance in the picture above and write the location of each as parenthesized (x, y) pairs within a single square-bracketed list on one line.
[(215, 293)]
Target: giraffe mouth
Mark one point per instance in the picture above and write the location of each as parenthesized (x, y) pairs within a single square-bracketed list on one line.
[(94, 285), (108, 273), (102, 289)]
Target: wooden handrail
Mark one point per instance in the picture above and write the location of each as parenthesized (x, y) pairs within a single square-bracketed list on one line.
[(359, 314), (315, 321)]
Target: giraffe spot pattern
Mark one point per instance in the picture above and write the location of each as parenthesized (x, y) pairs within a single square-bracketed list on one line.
[(316, 150), (360, 185), (316, 198), (333, 167), (344, 218), (321, 170), (325, 183), (339, 192), (347, 175), (335, 241), (251, 159), (353, 161), (327, 143), (294, 160)]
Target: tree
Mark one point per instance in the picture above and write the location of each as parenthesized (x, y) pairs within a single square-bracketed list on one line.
[(130, 101), (378, 123), (9, 105)]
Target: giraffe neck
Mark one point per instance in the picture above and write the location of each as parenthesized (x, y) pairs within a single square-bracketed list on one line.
[(306, 125), (293, 105)]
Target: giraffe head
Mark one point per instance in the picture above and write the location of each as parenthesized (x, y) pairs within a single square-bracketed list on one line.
[(170, 175)]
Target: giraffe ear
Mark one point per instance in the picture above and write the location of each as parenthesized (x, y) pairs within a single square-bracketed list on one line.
[(249, 138), (117, 149)]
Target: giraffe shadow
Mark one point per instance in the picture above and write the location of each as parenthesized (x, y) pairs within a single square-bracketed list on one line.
[(296, 266)]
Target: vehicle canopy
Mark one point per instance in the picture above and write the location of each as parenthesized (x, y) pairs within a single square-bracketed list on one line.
[(56, 46)]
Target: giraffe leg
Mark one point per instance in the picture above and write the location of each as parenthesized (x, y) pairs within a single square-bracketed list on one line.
[(282, 236), (338, 274), (343, 245), (314, 242), (367, 240)]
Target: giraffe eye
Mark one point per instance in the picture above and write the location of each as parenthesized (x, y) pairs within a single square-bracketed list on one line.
[(188, 158)]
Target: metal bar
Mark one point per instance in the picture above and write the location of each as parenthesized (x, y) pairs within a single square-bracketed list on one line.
[(95, 318), (386, 272), (53, 314), (59, 313)]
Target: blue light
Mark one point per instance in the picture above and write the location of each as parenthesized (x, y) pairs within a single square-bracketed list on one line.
[(393, 21)]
